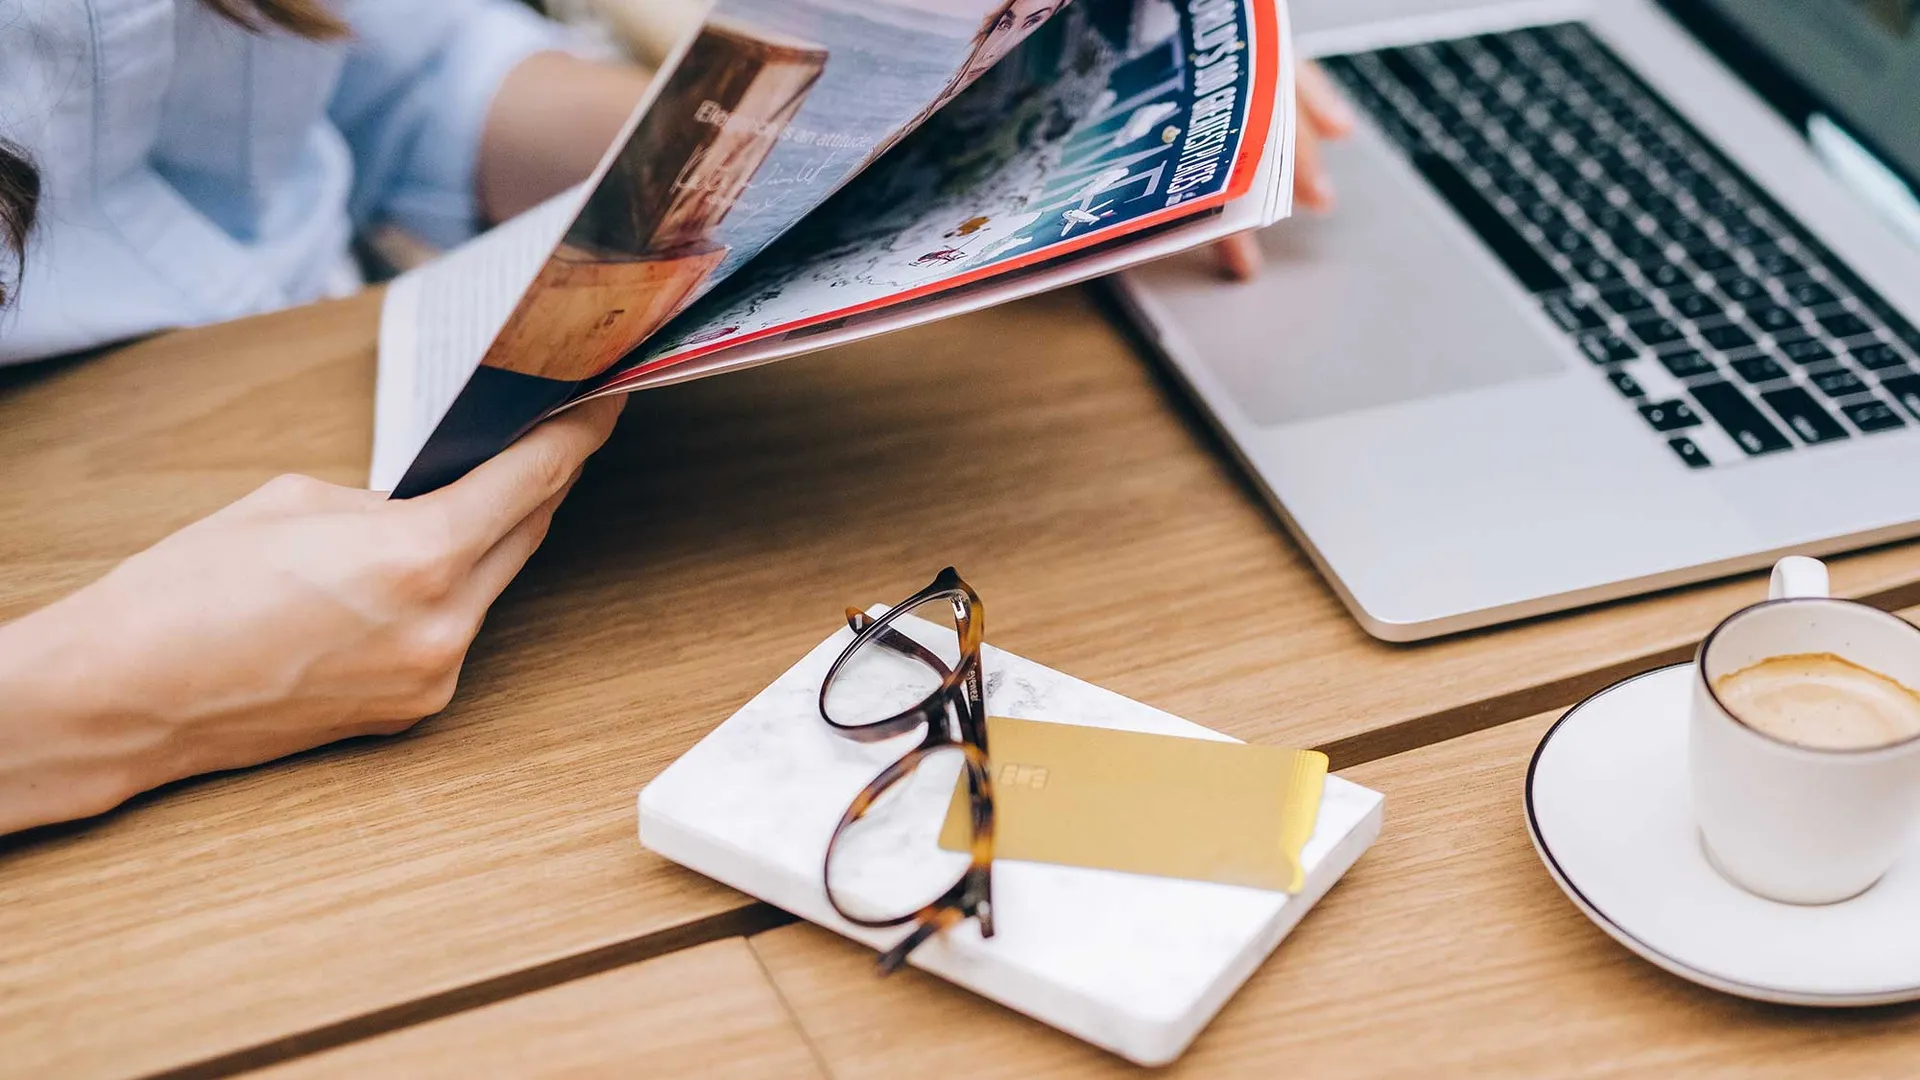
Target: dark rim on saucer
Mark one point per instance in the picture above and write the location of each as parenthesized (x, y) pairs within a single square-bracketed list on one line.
[(1700, 668), (1668, 962)]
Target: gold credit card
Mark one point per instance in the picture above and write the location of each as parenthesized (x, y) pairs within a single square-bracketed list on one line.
[(1147, 804)]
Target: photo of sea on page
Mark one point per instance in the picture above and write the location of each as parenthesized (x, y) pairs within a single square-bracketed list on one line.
[(766, 111), (1118, 119)]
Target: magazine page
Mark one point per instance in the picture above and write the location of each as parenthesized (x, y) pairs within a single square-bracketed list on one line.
[(435, 320), (771, 107), (1117, 118)]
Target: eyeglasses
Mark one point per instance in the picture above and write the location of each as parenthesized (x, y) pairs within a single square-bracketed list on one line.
[(916, 666)]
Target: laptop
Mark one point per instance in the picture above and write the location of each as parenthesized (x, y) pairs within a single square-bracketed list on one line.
[(1618, 296)]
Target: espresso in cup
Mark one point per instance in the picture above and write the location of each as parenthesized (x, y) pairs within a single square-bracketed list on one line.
[(1821, 701)]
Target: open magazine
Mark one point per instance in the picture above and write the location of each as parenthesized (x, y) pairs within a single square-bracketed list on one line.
[(809, 172)]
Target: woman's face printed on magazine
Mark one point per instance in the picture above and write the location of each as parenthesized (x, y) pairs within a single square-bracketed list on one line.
[(1008, 29)]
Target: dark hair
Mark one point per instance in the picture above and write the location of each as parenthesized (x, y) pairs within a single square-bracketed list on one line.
[(19, 199), (20, 181), (308, 18)]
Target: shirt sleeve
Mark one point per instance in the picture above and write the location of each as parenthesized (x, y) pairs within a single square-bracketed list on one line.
[(413, 99)]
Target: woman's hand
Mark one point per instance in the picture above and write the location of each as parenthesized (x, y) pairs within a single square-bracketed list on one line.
[(302, 614), (1323, 114)]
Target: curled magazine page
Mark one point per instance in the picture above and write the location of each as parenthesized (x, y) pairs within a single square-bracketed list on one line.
[(1117, 117), (771, 108)]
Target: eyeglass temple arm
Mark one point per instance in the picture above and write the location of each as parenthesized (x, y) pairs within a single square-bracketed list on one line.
[(898, 642)]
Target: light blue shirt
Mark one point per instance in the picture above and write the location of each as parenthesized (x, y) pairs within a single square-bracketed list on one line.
[(192, 172)]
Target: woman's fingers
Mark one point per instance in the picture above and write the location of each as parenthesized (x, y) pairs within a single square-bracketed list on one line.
[(500, 565), (1322, 113), (1239, 256), (1312, 187), (1322, 106), (481, 509)]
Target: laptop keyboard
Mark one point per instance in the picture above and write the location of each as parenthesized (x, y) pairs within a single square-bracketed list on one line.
[(1730, 330)]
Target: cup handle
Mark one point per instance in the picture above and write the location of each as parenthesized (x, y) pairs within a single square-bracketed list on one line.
[(1798, 577)]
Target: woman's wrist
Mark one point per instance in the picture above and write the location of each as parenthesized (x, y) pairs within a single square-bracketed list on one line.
[(75, 741)]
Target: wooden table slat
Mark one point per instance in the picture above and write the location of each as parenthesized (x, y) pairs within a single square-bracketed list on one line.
[(708, 1012)]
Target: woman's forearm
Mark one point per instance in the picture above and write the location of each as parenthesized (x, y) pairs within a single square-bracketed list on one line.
[(71, 744), (553, 119)]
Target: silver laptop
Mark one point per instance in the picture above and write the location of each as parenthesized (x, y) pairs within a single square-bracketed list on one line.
[(1617, 297)]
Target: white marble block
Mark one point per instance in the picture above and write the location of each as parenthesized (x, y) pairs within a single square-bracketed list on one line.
[(1134, 964)]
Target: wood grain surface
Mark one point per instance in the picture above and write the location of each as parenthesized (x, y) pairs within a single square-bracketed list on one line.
[(245, 918), (1446, 952), (707, 1012)]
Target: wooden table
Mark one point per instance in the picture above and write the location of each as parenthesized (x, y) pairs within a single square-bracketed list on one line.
[(256, 918)]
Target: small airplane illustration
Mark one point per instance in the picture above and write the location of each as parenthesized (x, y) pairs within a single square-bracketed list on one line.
[(1087, 213)]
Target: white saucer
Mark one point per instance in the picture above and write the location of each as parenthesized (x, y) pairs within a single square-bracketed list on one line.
[(1610, 814)]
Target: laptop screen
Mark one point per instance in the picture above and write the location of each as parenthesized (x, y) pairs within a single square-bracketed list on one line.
[(1856, 61)]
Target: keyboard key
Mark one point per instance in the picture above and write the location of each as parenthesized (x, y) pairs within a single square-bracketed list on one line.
[(1803, 349), (1873, 416), (1742, 232), (1877, 356), (1804, 415), (1656, 331), (1690, 452), (1772, 262), (1572, 313), (1741, 419), (1845, 324), (1598, 271), (1711, 259), (1838, 382), (1810, 294), (1626, 300), (1695, 304), (1607, 349), (1535, 209), (1626, 384), (1640, 249), (1572, 243), (1727, 337), (1740, 287), (1687, 364), (1905, 390), (1671, 415), (1667, 275), (1759, 369), (1773, 318), (1675, 225)]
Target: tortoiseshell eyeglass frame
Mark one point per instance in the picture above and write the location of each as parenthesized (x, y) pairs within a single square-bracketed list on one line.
[(958, 704)]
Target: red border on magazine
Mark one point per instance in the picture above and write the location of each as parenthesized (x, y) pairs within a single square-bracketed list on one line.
[(1259, 119)]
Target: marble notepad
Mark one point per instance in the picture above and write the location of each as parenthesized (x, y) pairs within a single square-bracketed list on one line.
[(1135, 964)]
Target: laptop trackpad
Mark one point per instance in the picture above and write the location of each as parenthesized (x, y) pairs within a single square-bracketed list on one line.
[(1387, 299)]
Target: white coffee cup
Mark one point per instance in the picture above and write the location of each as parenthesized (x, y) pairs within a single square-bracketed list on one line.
[(1785, 821)]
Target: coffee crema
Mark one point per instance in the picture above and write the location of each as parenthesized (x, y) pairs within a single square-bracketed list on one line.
[(1821, 701)]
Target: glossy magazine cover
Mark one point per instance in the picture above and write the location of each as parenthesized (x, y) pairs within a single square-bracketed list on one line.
[(804, 160)]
